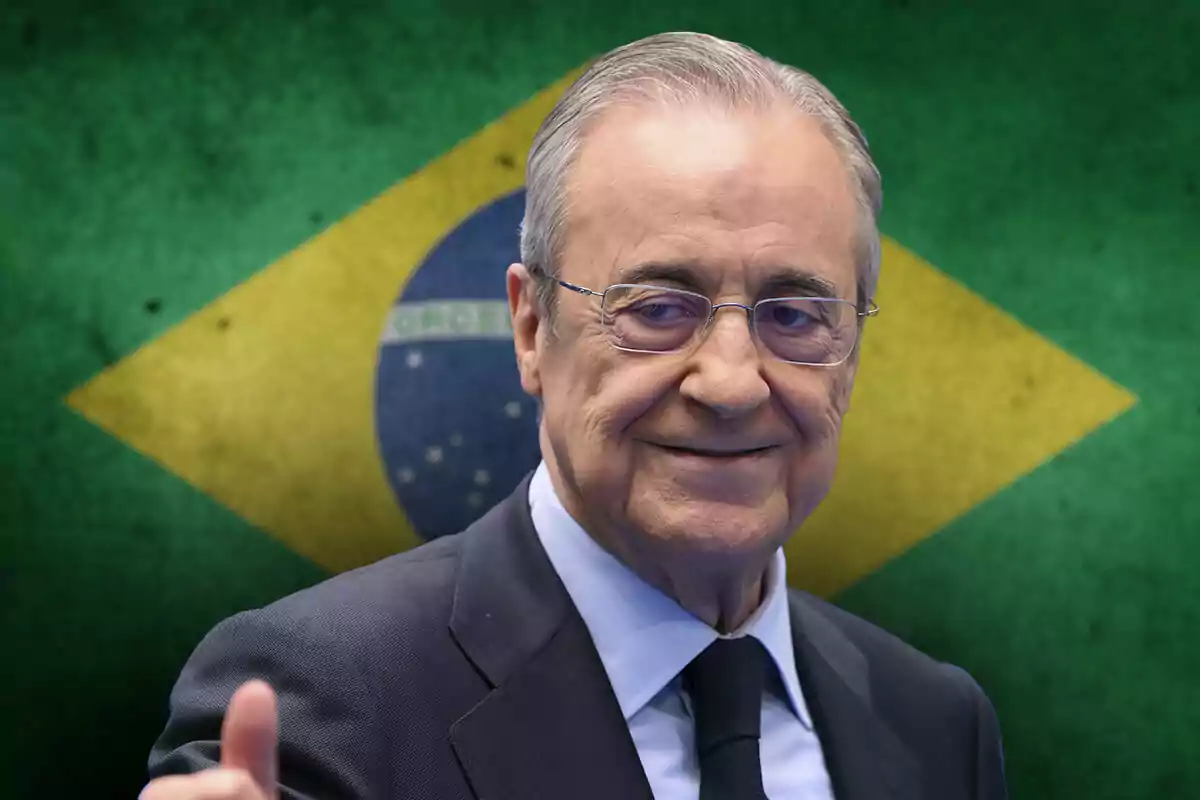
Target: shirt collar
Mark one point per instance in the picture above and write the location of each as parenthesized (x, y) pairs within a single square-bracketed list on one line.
[(644, 637)]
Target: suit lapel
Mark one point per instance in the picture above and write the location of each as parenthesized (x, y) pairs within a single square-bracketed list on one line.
[(551, 726), (866, 761)]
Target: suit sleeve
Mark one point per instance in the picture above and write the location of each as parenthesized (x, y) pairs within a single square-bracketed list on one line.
[(326, 725), (988, 755)]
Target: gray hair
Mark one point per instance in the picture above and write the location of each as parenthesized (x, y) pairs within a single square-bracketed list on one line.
[(682, 68)]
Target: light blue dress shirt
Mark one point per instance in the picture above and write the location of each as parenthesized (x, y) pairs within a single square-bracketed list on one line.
[(645, 639)]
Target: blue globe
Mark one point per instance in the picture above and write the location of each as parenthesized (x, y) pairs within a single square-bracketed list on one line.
[(456, 432)]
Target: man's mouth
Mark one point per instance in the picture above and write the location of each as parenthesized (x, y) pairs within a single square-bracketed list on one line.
[(715, 453)]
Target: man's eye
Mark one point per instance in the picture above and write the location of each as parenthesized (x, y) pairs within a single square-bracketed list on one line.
[(790, 318), (663, 311)]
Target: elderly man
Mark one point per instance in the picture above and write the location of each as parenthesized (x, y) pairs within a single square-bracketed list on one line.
[(700, 253)]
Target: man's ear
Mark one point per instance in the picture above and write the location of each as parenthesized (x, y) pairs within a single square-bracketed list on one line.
[(524, 313)]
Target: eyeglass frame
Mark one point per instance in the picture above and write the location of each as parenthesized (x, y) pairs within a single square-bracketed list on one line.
[(871, 310)]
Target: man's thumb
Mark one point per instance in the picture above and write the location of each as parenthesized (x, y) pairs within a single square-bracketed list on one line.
[(249, 735)]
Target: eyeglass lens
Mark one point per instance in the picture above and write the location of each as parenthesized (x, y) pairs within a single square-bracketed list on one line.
[(657, 319)]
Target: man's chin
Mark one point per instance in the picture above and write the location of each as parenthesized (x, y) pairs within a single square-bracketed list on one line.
[(709, 526)]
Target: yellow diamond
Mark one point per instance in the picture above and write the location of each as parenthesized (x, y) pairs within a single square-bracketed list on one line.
[(265, 398)]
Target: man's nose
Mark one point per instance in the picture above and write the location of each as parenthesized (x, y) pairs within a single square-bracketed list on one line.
[(726, 374)]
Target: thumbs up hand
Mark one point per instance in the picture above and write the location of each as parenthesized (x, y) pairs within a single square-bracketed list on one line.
[(249, 759)]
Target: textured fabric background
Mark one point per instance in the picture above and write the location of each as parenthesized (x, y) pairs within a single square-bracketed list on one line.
[(153, 156)]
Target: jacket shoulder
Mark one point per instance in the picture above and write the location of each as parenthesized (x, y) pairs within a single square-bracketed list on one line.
[(894, 666), (936, 708), (344, 657), (400, 590)]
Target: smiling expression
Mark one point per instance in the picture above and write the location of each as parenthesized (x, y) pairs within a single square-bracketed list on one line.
[(718, 451)]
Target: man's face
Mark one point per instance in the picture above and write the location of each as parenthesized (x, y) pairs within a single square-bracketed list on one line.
[(719, 450)]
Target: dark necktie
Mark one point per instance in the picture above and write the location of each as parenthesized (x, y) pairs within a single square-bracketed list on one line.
[(725, 683)]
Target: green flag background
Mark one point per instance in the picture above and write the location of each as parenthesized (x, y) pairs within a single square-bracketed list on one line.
[(152, 156)]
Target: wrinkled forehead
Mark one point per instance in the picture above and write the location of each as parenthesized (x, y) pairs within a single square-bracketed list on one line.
[(711, 198)]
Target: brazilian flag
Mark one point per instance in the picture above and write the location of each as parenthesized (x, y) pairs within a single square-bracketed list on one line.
[(252, 334)]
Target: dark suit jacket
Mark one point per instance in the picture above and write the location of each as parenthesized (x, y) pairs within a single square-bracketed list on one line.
[(461, 669)]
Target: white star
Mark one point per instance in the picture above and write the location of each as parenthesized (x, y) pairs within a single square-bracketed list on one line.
[(433, 455), (406, 475), (456, 440), (474, 499), (482, 478), (513, 409), (414, 359)]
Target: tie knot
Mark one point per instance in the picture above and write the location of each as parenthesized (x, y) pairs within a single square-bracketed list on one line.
[(725, 683)]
